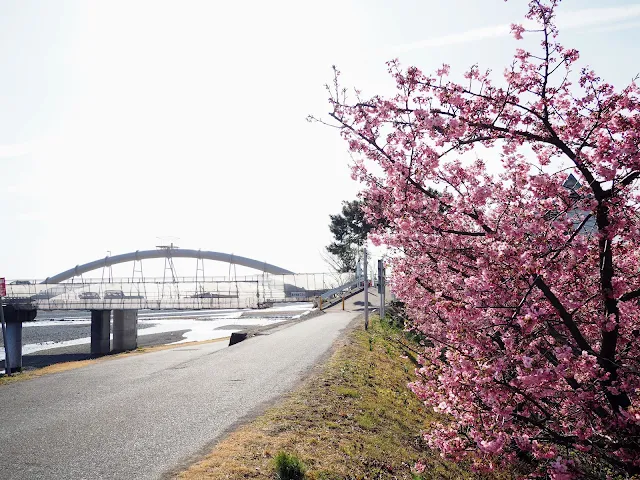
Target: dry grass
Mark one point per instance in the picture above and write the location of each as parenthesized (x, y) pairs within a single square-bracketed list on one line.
[(66, 366), (356, 419)]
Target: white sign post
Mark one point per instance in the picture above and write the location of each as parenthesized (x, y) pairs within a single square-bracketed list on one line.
[(3, 293)]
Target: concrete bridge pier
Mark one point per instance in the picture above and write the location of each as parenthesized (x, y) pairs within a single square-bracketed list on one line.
[(125, 330), (13, 346), (100, 332)]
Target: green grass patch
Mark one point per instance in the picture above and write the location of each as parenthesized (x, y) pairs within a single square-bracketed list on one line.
[(347, 392), (289, 467)]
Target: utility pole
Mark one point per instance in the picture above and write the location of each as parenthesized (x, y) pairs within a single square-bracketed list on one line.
[(366, 291)]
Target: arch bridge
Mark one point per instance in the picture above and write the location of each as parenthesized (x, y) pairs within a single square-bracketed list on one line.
[(167, 253), (70, 290)]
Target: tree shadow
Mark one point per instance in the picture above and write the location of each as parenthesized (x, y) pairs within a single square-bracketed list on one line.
[(73, 353), (360, 302)]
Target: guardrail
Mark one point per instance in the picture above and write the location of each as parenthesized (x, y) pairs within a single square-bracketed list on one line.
[(335, 295)]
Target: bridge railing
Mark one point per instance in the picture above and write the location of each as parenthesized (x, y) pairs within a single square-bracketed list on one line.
[(162, 293)]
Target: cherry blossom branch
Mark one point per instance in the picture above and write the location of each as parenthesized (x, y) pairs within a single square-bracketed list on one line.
[(566, 317)]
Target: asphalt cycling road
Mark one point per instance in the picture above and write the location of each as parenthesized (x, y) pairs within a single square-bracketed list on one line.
[(143, 416)]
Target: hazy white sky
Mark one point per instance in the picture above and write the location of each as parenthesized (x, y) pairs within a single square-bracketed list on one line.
[(123, 121)]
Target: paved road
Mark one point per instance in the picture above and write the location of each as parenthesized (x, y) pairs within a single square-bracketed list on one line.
[(142, 416)]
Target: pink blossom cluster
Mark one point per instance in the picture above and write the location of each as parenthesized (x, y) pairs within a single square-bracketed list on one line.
[(526, 291)]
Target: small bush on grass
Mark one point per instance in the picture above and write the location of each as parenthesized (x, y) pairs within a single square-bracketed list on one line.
[(289, 467)]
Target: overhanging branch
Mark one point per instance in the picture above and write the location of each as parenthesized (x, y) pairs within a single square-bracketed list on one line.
[(566, 317)]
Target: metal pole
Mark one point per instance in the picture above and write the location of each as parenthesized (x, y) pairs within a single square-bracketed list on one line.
[(366, 292), (7, 366), (382, 285)]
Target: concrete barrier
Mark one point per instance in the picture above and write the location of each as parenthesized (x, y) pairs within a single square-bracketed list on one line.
[(237, 337)]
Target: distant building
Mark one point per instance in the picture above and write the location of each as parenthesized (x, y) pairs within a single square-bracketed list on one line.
[(576, 215)]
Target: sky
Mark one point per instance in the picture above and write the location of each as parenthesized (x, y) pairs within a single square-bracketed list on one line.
[(123, 123)]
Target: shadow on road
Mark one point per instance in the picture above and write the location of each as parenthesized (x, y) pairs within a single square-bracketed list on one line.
[(359, 302), (38, 361), (73, 353)]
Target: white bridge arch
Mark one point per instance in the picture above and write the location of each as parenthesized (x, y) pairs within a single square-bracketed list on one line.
[(167, 253)]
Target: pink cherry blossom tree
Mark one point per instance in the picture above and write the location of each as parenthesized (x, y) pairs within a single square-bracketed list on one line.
[(526, 290)]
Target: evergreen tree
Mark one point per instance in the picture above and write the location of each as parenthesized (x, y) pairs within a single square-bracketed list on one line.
[(350, 230)]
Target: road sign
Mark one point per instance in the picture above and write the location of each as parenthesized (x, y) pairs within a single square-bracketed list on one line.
[(3, 287), (380, 276)]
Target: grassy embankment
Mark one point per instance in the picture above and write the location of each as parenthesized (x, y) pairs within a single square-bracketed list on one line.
[(354, 419)]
